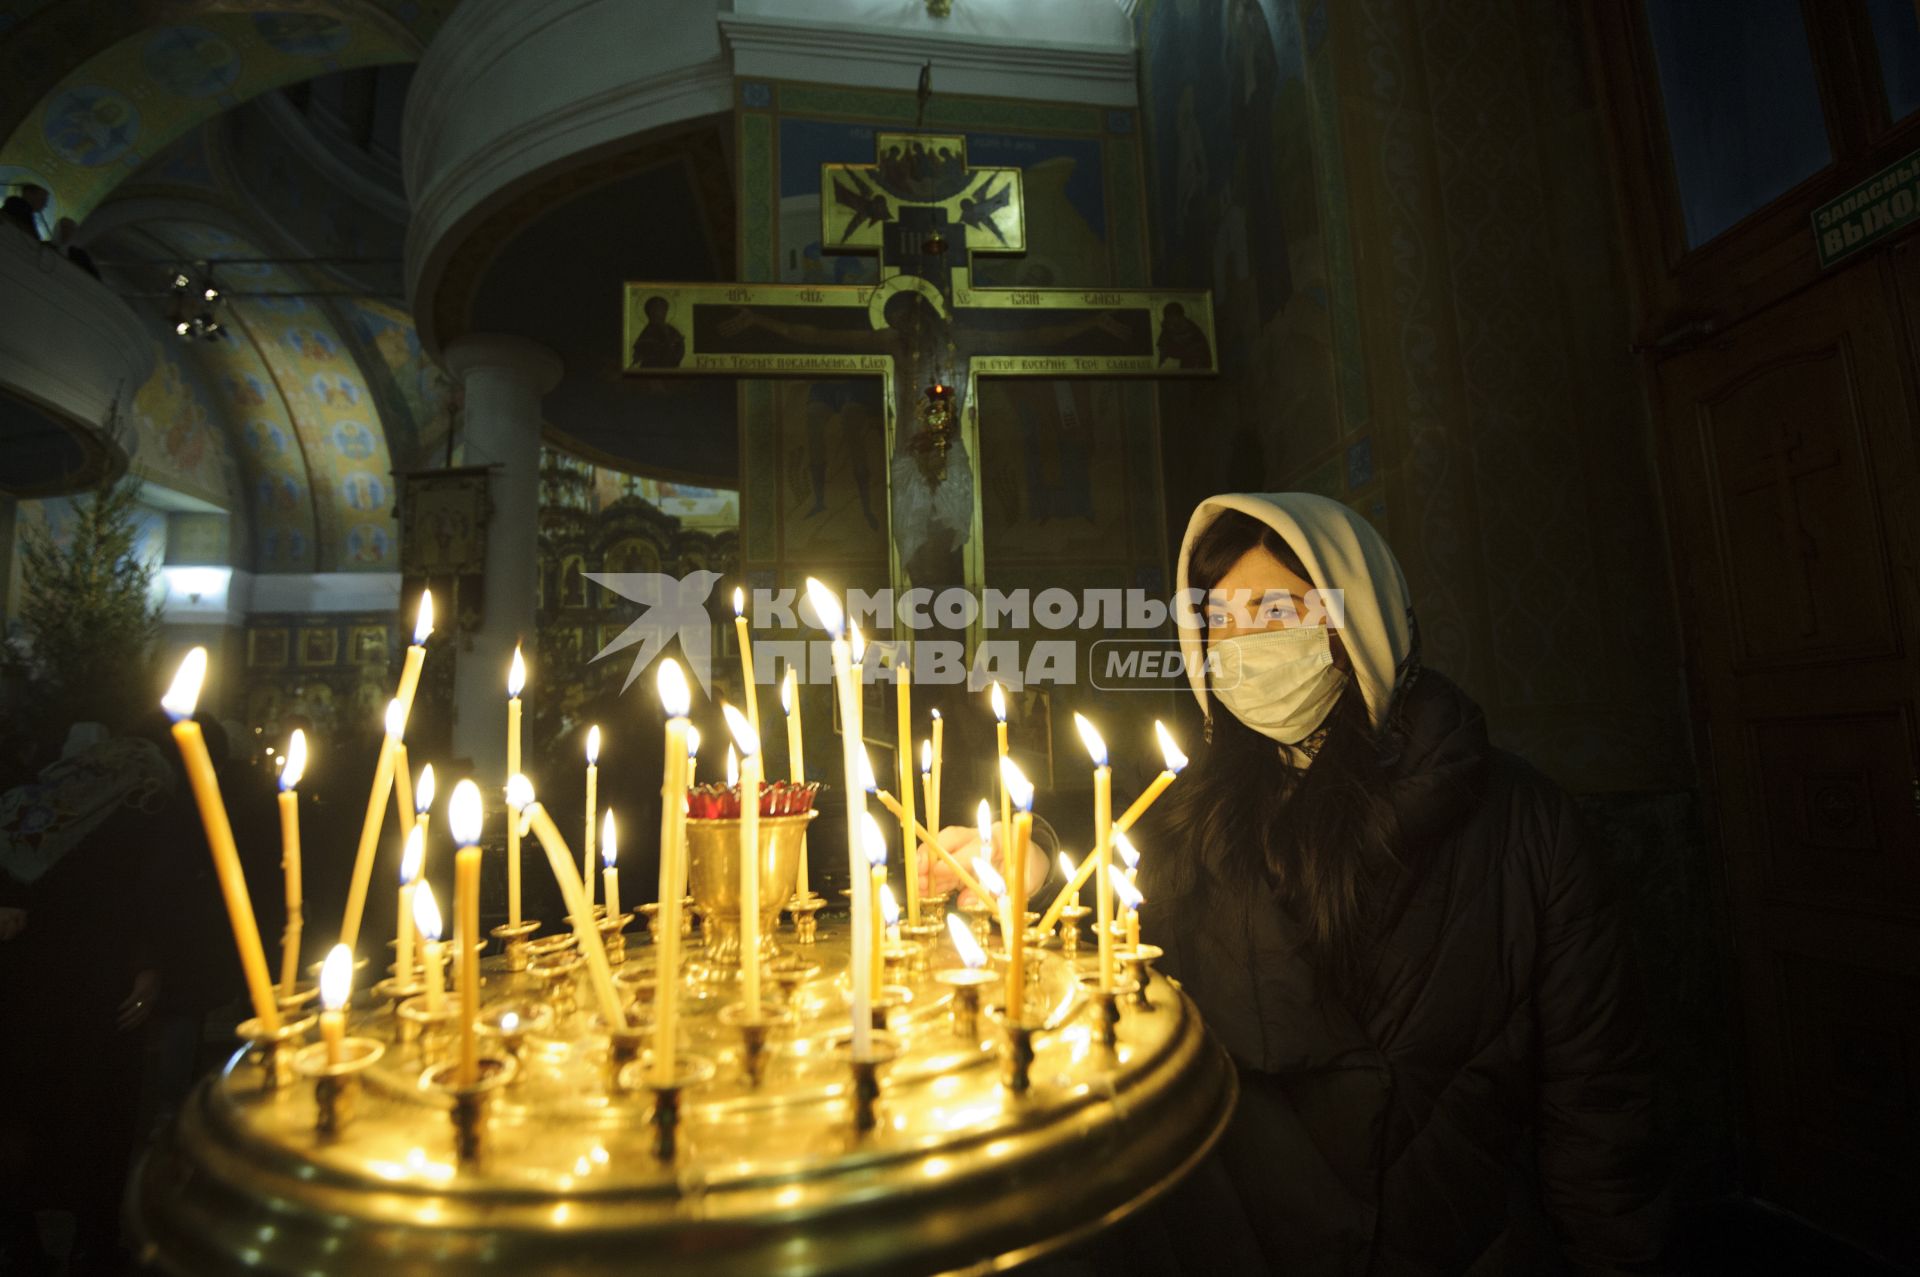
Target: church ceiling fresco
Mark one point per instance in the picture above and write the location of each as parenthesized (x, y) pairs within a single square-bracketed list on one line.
[(94, 88)]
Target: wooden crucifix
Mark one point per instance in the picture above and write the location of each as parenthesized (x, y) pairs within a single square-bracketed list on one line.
[(925, 329)]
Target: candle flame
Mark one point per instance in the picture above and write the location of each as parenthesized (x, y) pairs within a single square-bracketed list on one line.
[(1129, 854), (1090, 736), (1067, 866), (867, 780), (1125, 892), (519, 794), (971, 954), (336, 978), (787, 689), (743, 734), (413, 859), (184, 694), (936, 713), (733, 765), (826, 607), (739, 601), (997, 697), (876, 842), (1175, 759), (296, 765), (423, 791), (464, 812), (671, 683), (423, 619), (926, 757), (989, 877), (983, 823), (889, 907), (1019, 788), (693, 741), (517, 673), (396, 720), (609, 843), (426, 911), (856, 643), (593, 745)]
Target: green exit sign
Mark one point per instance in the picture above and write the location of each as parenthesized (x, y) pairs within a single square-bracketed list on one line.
[(1868, 213)]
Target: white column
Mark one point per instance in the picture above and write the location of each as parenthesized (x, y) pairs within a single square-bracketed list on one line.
[(502, 379)]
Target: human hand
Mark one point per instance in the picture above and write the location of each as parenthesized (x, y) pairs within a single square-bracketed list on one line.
[(138, 1004), (937, 877), (12, 922)]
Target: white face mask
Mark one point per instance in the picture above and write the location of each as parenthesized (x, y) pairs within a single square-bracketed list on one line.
[(1281, 683)]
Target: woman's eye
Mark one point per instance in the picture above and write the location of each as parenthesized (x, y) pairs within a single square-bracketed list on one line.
[(1216, 620)]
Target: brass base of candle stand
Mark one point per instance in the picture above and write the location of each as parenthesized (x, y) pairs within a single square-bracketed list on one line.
[(555, 1164), (294, 1003), (272, 1052), (1139, 961), (966, 983), (336, 1085), (1017, 1059), (1071, 916), (754, 1023), (805, 910)]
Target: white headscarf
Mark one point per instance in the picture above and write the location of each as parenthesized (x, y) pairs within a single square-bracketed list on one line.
[(1341, 551)]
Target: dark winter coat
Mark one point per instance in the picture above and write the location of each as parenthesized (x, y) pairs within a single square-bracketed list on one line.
[(1487, 1108)]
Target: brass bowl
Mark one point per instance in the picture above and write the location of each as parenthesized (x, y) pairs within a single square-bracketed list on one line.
[(713, 876)]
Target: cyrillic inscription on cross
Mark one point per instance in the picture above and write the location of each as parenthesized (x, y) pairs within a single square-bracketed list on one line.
[(925, 329)]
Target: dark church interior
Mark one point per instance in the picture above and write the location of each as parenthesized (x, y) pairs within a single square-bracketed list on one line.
[(824, 637)]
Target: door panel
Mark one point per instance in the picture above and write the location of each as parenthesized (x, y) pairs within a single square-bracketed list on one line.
[(1789, 448)]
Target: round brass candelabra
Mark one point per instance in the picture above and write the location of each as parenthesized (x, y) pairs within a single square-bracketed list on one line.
[(965, 1142)]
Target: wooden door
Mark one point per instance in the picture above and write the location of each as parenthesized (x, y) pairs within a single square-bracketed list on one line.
[(1790, 463)]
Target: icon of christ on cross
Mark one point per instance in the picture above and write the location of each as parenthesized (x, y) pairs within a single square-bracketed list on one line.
[(925, 329)]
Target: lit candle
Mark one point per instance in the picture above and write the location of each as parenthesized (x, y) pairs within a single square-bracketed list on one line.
[(733, 769), (890, 914), (675, 697), (610, 856), (748, 692), (749, 742), (406, 810), (876, 841), (939, 756), (996, 898), (520, 799), (796, 758), (336, 985), (426, 920), (179, 703), (926, 784), (423, 801), (969, 950), (1020, 790), (412, 860), (1175, 761), (516, 683), (396, 721), (827, 609), (416, 653), (1126, 887), (1102, 842), (997, 697), (463, 821), (593, 803), (290, 773), (903, 765)]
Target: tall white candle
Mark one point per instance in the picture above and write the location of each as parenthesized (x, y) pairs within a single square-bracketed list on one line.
[(827, 609), (749, 742)]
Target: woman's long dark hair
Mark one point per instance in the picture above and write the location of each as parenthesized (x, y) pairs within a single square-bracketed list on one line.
[(1319, 840)]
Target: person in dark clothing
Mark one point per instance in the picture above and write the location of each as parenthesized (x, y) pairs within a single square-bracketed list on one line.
[(63, 236), (1397, 934), (23, 208)]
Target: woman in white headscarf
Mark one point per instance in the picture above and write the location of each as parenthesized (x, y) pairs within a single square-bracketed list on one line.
[(1394, 929)]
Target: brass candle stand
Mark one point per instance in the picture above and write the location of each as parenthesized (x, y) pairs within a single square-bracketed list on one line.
[(1139, 961), (769, 1148), (272, 1051), (805, 911), (1071, 916)]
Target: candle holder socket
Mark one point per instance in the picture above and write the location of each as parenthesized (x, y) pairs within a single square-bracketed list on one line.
[(966, 983), (529, 1017), (688, 1071), (1139, 962), (293, 1004), (864, 1095), (1071, 916), (336, 1086), (513, 938), (806, 922), (789, 972), (414, 1024), (273, 1051), (754, 1023), (470, 1103), (1017, 1063)]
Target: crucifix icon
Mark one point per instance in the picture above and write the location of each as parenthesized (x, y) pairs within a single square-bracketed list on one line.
[(925, 330)]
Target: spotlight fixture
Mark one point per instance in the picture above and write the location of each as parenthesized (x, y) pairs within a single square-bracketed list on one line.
[(195, 317)]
